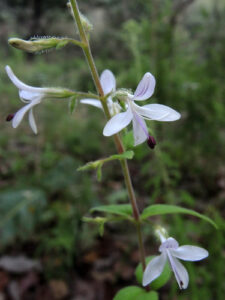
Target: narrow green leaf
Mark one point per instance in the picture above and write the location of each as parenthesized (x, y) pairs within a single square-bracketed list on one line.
[(129, 293), (99, 172), (148, 296), (135, 293), (125, 155), (101, 228), (72, 104), (95, 164), (117, 209), (98, 221), (94, 220), (90, 165), (128, 140), (162, 209)]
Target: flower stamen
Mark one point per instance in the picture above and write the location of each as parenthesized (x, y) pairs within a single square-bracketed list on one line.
[(151, 142), (10, 117)]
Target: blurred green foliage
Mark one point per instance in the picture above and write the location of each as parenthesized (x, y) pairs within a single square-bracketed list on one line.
[(43, 197)]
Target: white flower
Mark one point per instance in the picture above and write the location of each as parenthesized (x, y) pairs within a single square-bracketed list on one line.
[(171, 251), (108, 83), (31, 96), (137, 114)]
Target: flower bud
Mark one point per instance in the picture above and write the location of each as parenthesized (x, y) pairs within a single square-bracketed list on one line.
[(38, 44), (121, 95), (88, 27), (161, 233)]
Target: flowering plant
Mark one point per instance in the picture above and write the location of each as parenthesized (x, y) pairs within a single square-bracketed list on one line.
[(120, 109)]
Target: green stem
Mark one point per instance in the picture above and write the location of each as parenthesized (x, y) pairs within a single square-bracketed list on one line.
[(86, 95), (86, 48), (117, 140), (75, 42)]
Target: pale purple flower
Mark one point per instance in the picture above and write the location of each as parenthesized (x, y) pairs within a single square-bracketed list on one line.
[(137, 114), (172, 252), (31, 96), (108, 83)]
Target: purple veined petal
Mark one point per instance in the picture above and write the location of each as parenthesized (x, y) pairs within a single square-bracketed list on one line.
[(20, 114), (190, 253), (118, 122), (154, 269), (32, 121), (22, 86), (140, 130), (158, 112), (179, 271), (145, 88), (93, 102), (108, 81)]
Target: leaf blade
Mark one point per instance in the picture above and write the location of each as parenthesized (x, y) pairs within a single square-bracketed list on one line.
[(117, 209), (162, 209)]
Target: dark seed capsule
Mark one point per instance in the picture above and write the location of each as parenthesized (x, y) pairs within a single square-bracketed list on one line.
[(10, 117), (151, 142)]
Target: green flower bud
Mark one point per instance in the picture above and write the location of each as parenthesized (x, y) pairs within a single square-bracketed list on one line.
[(121, 95), (88, 27), (38, 44)]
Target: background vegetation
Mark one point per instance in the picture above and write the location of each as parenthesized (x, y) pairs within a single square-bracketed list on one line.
[(43, 197)]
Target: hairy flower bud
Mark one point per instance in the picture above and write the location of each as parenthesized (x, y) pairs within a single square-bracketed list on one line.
[(121, 95), (38, 44), (87, 26)]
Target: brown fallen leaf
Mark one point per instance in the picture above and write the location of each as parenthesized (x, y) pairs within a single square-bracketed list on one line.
[(59, 289)]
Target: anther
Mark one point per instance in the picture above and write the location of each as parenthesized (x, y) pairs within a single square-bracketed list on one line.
[(151, 142), (10, 117)]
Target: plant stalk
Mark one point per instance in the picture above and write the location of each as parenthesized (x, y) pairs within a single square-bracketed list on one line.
[(117, 140)]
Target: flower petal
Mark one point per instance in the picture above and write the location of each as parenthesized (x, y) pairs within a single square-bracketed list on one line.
[(22, 86), (158, 112), (92, 102), (32, 121), (29, 96), (20, 114), (154, 269), (140, 130), (108, 81), (118, 122), (190, 253), (179, 271), (145, 88)]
